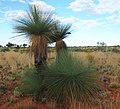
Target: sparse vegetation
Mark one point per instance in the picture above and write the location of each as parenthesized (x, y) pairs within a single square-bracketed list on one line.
[(61, 79), (12, 68)]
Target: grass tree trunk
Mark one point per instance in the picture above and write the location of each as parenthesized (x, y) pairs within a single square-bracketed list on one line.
[(40, 54), (61, 47)]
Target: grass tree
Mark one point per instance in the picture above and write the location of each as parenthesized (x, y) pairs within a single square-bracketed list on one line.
[(61, 32), (70, 81), (38, 27)]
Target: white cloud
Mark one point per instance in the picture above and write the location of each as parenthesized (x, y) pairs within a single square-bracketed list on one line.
[(114, 18), (14, 14), (100, 7), (108, 6), (80, 23), (66, 19), (87, 24), (81, 5), (77, 22), (22, 1), (42, 5)]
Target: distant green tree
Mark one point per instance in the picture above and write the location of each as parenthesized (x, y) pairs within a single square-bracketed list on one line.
[(9, 44), (1, 46), (103, 44), (17, 46), (98, 43), (24, 45)]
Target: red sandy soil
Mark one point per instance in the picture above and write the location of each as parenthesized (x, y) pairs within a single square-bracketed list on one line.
[(8, 101), (28, 101)]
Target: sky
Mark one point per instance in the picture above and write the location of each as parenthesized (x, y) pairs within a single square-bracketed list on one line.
[(92, 20)]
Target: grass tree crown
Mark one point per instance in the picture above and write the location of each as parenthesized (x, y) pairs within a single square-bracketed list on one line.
[(36, 23)]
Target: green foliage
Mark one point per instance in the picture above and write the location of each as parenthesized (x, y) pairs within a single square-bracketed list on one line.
[(115, 50), (68, 80), (61, 31), (31, 83), (37, 22), (9, 44)]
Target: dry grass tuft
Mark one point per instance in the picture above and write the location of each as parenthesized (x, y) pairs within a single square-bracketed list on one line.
[(15, 60)]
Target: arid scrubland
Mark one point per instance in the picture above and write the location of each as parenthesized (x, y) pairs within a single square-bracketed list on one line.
[(12, 65), (15, 60), (107, 63)]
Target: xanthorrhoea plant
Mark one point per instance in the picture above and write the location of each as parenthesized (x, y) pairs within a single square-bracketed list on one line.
[(38, 27), (61, 32), (69, 80)]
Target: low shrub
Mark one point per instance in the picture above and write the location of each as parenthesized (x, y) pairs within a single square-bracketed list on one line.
[(31, 84), (70, 80)]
